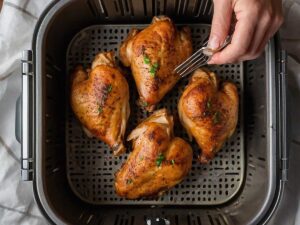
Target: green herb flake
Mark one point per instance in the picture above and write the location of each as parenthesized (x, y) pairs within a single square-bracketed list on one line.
[(128, 181), (109, 88), (159, 160), (152, 71), (100, 109), (217, 117), (141, 158), (146, 60), (208, 104), (155, 65), (172, 162), (144, 104)]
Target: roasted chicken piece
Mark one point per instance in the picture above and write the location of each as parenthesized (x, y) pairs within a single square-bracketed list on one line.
[(158, 161), (209, 111), (153, 54), (100, 100)]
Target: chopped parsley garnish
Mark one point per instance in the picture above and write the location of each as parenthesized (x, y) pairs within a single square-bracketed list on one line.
[(172, 162), (160, 158), (105, 91), (128, 181), (144, 104), (153, 67), (152, 71), (100, 109), (217, 117), (109, 88), (141, 158), (208, 104), (146, 59)]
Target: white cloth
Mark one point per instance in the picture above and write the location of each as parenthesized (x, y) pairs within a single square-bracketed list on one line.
[(17, 20)]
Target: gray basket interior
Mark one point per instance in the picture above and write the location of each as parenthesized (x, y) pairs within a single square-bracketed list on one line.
[(243, 200), (90, 164)]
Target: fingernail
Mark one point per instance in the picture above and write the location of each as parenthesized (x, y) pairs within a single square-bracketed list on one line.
[(213, 43)]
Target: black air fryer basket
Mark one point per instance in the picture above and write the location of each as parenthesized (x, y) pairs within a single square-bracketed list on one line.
[(73, 175)]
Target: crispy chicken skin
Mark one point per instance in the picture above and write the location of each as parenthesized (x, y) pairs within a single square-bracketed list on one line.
[(100, 100), (153, 54), (158, 161), (209, 112)]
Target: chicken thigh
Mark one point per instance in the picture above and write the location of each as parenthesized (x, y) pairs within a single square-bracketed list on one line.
[(153, 54), (100, 100), (209, 112), (158, 161)]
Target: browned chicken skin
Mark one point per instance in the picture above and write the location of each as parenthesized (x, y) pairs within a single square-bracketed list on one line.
[(209, 112), (100, 100), (153, 54), (158, 161)]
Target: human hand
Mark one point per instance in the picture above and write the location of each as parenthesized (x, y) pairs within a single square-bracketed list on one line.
[(256, 22)]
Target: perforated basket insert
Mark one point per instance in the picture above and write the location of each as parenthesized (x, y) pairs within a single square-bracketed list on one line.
[(90, 163)]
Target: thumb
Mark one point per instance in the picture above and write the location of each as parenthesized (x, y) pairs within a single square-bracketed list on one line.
[(220, 23)]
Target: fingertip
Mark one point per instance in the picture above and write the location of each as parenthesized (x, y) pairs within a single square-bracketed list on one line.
[(214, 59), (210, 62)]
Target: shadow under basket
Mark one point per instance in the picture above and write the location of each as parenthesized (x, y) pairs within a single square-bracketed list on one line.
[(73, 175)]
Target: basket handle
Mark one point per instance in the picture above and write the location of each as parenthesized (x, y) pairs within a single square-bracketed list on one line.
[(283, 116), (18, 120), (24, 112)]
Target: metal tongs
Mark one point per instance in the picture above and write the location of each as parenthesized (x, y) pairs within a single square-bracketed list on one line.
[(199, 58)]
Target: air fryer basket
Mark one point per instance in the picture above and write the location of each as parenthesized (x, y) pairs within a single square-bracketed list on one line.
[(242, 185), (90, 164)]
